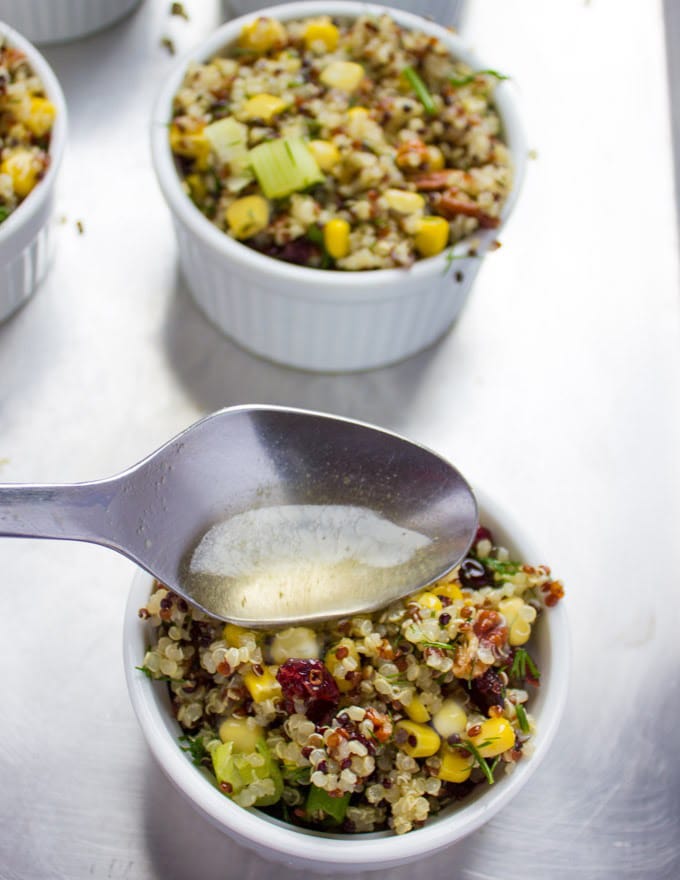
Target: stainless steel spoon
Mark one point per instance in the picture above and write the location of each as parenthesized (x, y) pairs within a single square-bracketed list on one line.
[(234, 470)]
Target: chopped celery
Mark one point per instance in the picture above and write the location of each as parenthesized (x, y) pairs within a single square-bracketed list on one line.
[(235, 770), (284, 166), (320, 805)]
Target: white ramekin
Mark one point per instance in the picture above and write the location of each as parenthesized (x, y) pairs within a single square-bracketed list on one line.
[(309, 318), (25, 236), (275, 840), (57, 21), (446, 12)]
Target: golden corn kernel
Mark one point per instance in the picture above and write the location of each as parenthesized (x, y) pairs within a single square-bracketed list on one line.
[(451, 591), (262, 687), (357, 113), (237, 636), (191, 144), (241, 732), (247, 216), (403, 201), (429, 600), (40, 117), (197, 187), (455, 766), (336, 238), (519, 625), (416, 710), (22, 167), (343, 75), (326, 154), (262, 34), (263, 106), (334, 658), (450, 719), (322, 30), (495, 737), (421, 741), (298, 642), (432, 236), (435, 158)]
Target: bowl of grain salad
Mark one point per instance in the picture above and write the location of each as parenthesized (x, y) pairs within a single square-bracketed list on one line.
[(335, 172), (32, 138), (59, 21), (363, 742)]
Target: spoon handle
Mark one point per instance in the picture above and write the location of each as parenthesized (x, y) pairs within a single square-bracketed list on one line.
[(75, 512)]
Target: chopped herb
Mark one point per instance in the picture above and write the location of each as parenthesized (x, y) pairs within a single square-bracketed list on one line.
[(314, 128), (509, 567), (80, 227), (196, 748), (466, 80), (168, 44), (520, 662), (445, 646), (479, 760), (4, 213), (320, 804), (296, 775), (522, 718), (315, 234), (149, 674), (178, 9), (420, 89)]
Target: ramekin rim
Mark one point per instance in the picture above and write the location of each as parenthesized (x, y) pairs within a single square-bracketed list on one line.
[(345, 851), (505, 100)]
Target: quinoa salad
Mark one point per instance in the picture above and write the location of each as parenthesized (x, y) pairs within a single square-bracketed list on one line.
[(341, 144), (368, 723), (26, 119)]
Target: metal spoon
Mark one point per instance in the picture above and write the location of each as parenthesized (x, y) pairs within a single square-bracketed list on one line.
[(266, 477)]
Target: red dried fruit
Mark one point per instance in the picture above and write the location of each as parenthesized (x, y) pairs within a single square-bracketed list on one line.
[(308, 686), (483, 534), (487, 690)]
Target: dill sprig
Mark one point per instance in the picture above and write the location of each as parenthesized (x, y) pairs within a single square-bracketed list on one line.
[(522, 718), (420, 89), (466, 80), (479, 759)]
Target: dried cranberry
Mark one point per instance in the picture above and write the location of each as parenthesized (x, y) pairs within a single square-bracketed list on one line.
[(474, 575), (309, 683), (487, 690), (483, 534)]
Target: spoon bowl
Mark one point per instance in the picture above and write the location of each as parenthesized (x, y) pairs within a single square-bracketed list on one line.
[(241, 507)]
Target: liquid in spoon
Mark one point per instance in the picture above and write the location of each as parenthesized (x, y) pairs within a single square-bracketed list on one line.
[(292, 561)]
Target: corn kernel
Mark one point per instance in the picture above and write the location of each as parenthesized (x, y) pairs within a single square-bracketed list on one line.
[(435, 158), (429, 600), (404, 202), (451, 591), (326, 154), (357, 113), (262, 34), (455, 766), (41, 116), (336, 238), (191, 144), (237, 636), (519, 624), (432, 236), (322, 30), (450, 719), (263, 106), (416, 710), (421, 742), (298, 642), (343, 75), (22, 167), (347, 648), (495, 737), (262, 687), (247, 216), (241, 732)]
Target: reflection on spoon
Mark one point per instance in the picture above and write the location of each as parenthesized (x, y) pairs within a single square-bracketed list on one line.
[(304, 560)]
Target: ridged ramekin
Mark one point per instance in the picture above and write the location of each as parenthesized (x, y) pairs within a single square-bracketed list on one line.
[(309, 318), (309, 850), (25, 236), (57, 21), (446, 12)]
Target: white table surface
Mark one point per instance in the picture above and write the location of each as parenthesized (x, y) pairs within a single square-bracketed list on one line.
[(557, 392)]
